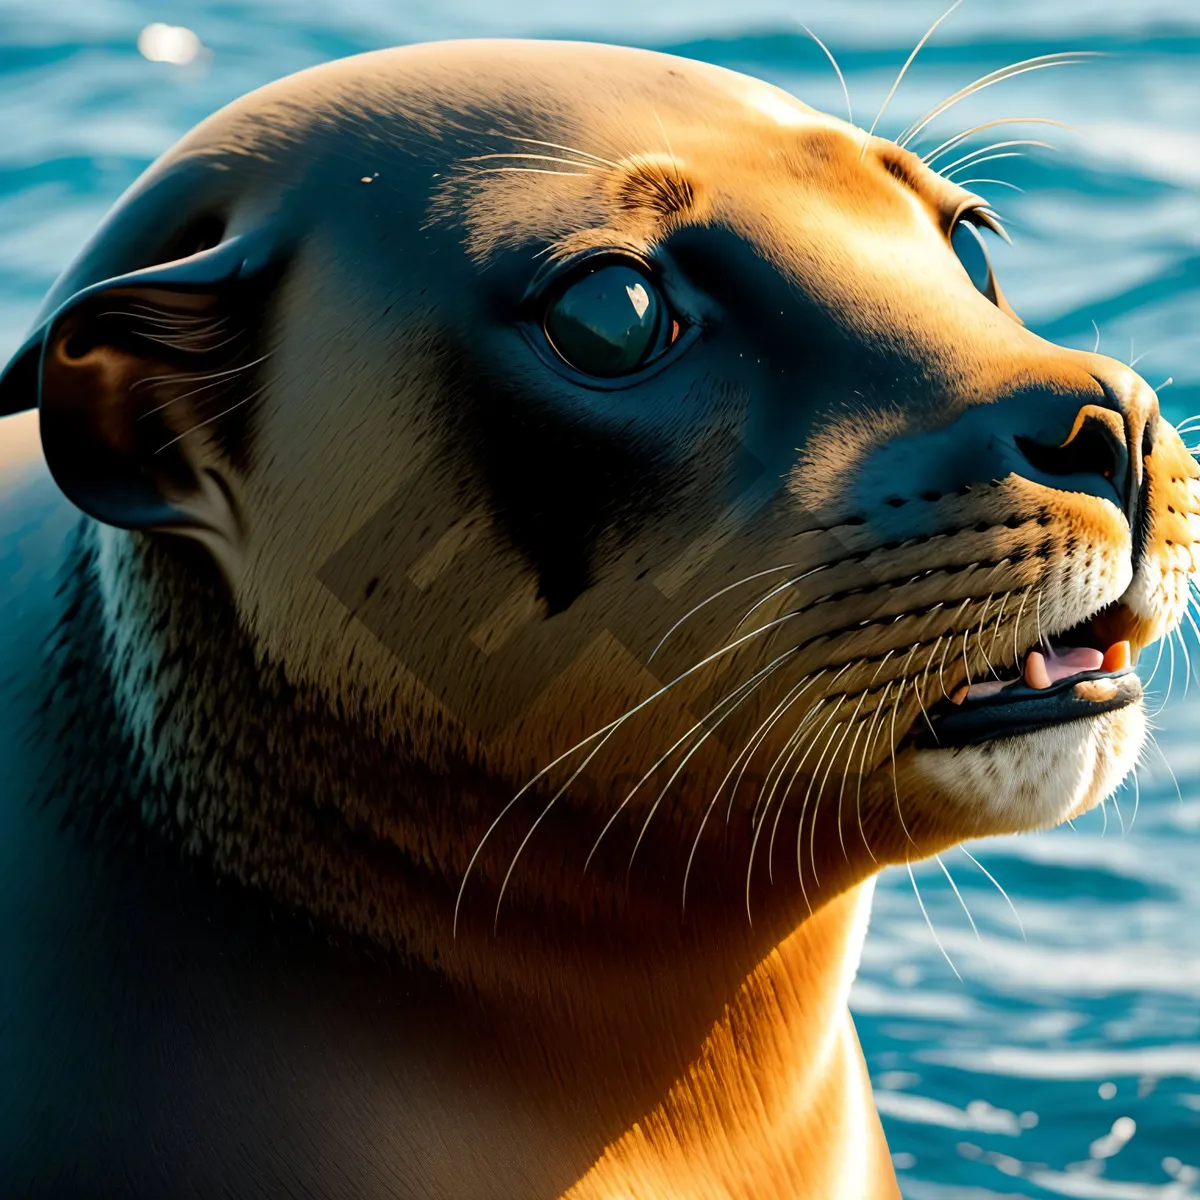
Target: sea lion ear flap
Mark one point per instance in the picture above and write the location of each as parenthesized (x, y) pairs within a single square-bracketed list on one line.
[(142, 382)]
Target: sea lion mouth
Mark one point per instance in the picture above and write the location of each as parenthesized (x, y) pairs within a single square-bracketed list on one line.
[(1067, 677)]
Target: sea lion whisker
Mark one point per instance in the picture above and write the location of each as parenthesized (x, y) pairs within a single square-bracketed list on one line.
[(966, 183), (738, 694), (217, 378), (1040, 62), (998, 623), (1154, 742), (757, 738), (980, 151), (992, 219), (210, 420), (954, 886), (832, 760), (917, 892), (679, 768), (908, 63), (717, 793), (194, 376), (148, 315), (868, 750), (957, 140), (1157, 662), (1017, 623), (812, 840), (787, 583), (842, 792), (895, 781), (610, 730), (942, 667), (1137, 796), (530, 171), (771, 770), (995, 883), (790, 748), (604, 733), (197, 341), (607, 162), (667, 142), (987, 158), (747, 753), (929, 662), (917, 688), (715, 596), (1120, 816), (837, 70), (532, 158)]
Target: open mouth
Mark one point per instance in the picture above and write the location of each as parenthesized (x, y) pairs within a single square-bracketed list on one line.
[(1068, 677)]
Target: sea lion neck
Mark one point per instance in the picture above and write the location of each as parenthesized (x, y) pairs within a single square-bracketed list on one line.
[(706, 1009), (263, 781)]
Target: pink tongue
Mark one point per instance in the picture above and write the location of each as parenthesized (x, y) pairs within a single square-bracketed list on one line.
[(1041, 670)]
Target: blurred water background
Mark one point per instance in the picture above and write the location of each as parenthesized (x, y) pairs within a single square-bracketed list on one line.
[(1065, 1062)]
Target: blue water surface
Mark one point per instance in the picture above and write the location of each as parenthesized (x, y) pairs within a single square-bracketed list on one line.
[(1065, 1062)]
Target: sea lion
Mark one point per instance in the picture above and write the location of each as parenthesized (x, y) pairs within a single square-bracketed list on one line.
[(558, 519)]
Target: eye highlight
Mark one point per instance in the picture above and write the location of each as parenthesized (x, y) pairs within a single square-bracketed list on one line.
[(967, 242), (610, 321)]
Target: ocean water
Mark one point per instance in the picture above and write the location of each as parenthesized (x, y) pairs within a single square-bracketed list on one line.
[(1066, 1059)]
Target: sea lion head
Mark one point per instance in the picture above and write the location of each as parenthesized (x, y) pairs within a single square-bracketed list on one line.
[(595, 418)]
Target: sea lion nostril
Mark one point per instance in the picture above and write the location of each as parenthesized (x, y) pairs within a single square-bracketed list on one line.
[(1094, 448)]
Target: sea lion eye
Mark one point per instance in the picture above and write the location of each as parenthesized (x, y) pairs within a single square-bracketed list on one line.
[(968, 244), (610, 321)]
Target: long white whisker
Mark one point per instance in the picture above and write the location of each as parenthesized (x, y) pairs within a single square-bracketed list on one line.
[(838, 70), (996, 885), (751, 683), (895, 781), (223, 413), (1165, 763), (908, 63), (917, 892), (715, 596), (959, 138), (787, 583), (950, 880), (530, 171), (789, 750), (1063, 59), (570, 162), (966, 183), (1120, 817), (1170, 675), (604, 734), (756, 682), (987, 158), (978, 153), (607, 162)]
